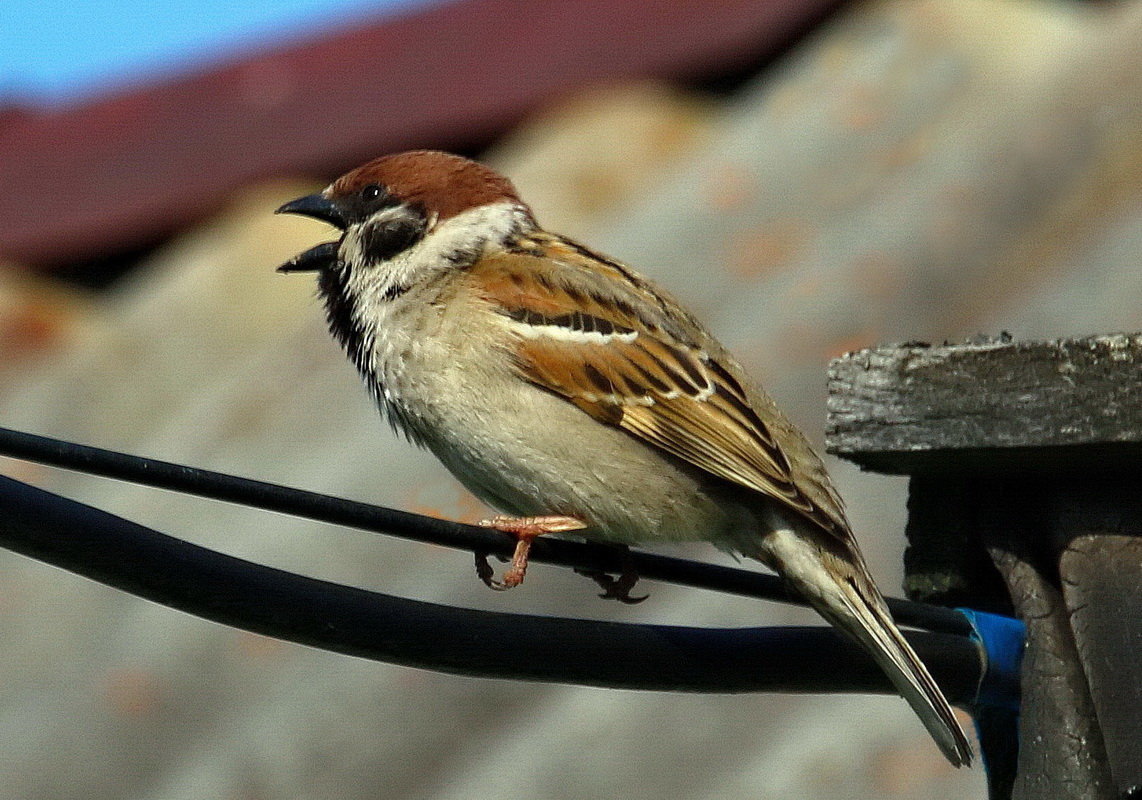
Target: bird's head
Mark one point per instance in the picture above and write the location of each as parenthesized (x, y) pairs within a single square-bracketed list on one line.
[(397, 203)]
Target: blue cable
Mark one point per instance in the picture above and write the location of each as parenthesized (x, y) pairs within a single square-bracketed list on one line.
[(1002, 641)]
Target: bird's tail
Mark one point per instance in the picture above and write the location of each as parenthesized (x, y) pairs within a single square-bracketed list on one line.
[(843, 592)]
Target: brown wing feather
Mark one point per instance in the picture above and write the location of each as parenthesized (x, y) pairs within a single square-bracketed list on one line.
[(612, 348)]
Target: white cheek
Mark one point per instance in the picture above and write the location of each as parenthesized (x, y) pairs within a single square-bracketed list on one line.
[(385, 321), (471, 230), (350, 250)]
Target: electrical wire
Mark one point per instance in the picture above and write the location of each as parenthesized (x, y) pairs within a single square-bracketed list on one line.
[(377, 519), (371, 625)]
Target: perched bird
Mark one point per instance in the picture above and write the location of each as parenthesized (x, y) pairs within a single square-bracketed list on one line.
[(563, 388)]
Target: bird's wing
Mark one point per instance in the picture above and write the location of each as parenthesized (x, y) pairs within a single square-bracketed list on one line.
[(590, 330)]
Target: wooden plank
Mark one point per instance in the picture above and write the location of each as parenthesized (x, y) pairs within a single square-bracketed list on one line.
[(991, 405), (1102, 585), (1062, 755), (1028, 451), (1097, 522)]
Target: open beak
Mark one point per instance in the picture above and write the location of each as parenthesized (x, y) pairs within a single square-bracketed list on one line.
[(324, 255), (317, 206)]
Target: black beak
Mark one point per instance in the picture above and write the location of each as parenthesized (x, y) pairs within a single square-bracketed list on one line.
[(317, 206), (323, 256)]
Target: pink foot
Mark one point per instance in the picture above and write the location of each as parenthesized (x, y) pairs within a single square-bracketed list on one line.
[(525, 529)]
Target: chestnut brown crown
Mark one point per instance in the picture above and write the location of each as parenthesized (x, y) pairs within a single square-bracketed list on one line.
[(442, 184)]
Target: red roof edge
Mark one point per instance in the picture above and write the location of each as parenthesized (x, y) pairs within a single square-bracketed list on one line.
[(86, 181)]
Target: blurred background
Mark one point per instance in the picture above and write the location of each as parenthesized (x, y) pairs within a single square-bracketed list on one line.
[(810, 176)]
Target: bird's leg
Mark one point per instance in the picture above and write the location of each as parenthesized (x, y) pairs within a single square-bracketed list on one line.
[(525, 530)]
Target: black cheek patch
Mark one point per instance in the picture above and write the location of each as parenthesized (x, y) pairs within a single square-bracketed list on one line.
[(383, 240)]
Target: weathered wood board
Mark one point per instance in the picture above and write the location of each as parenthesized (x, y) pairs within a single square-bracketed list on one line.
[(921, 408)]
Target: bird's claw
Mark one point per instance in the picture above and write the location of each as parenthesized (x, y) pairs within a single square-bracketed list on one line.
[(485, 572), (615, 588)]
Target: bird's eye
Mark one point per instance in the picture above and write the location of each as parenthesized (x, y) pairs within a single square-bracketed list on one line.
[(371, 192)]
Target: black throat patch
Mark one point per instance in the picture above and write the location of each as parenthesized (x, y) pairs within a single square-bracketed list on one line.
[(340, 313)]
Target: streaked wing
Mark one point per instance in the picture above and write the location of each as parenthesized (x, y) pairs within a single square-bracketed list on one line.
[(621, 353)]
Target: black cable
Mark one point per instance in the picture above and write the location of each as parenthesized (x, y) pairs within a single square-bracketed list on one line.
[(311, 505), (349, 620)]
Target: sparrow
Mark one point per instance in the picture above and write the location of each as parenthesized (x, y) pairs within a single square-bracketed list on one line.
[(566, 390)]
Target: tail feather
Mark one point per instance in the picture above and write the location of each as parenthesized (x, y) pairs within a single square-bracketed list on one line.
[(876, 631), (841, 590)]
